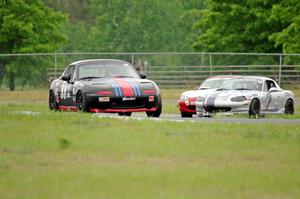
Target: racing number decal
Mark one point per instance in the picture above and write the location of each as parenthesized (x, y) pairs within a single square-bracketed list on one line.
[(63, 92)]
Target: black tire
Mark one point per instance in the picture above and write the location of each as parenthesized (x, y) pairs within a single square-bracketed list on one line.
[(289, 107), (158, 110), (128, 114), (254, 109), (52, 101), (184, 114), (81, 103)]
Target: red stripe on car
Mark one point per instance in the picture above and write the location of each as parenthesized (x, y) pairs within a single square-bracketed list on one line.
[(125, 86)]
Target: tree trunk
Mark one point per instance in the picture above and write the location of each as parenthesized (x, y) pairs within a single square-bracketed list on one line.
[(2, 73), (11, 79)]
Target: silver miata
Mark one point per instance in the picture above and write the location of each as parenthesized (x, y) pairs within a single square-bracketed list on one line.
[(251, 95)]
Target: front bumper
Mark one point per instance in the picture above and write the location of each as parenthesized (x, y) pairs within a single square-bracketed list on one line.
[(122, 104), (186, 109)]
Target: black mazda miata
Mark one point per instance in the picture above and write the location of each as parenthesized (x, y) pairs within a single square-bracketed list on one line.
[(105, 85)]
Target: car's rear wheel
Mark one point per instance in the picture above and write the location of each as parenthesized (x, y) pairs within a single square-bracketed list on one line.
[(157, 112), (125, 114), (184, 114), (81, 103), (52, 101), (289, 107), (254, 109)]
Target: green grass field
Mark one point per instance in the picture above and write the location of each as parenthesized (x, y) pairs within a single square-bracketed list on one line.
[(47, 154)]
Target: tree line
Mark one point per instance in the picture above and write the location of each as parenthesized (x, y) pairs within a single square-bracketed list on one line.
[(31, 26)]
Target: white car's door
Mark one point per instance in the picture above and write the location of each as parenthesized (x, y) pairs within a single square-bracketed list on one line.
[(264, 97), (276, 100), (276, 96)]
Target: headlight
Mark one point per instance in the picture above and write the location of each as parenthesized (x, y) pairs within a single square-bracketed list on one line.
[(200, 99), (238, 99), (183, 98)]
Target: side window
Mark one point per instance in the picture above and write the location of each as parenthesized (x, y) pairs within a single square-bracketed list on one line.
[(270, 84), (70, 71)]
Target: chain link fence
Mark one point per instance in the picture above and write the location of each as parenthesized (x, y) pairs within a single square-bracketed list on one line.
[(168, 70)]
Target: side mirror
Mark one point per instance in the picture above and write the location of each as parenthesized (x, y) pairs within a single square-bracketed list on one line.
[(142, 75), (273, 89), (66, 77)]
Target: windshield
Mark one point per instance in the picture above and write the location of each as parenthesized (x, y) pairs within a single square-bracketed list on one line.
[(97, 70), (211, 83), (242, 84)]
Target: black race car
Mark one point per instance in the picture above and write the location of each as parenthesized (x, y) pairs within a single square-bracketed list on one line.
[(105, 85)]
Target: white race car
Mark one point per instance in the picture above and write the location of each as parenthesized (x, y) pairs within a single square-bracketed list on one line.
[(188, 98), (252, 95)]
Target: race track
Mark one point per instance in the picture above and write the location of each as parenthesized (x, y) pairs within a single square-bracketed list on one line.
[(178, 118)]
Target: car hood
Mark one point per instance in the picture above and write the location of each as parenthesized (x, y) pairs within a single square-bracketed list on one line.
[(197, 93), (121, 87), (235, 93)]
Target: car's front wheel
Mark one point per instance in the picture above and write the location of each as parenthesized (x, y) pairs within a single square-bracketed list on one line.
[(289, 107), (81, 103), (254, 109), (157, 112), (53, 105)]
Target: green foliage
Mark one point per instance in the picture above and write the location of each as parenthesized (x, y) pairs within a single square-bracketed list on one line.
[(76, 10), (249, 26), (27, 26), (128, 26), (187, 21), (135, 26), (286, 13)]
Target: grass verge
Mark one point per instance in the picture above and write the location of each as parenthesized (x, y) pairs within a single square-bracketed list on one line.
[(47, 154)]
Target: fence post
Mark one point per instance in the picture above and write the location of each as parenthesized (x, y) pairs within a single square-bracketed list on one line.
[(279, 71), (55, 65), (132, 59), (210, 65), (184, 79)]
